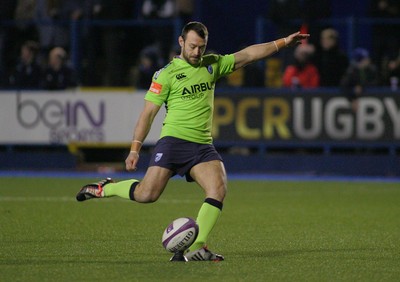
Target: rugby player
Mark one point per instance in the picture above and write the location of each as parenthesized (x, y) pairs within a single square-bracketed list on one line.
[(186, 87)]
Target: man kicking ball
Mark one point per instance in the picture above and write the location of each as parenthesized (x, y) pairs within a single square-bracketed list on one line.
[(186, 87)]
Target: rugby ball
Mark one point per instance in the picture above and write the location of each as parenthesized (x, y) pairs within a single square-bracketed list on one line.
[(180, 234)]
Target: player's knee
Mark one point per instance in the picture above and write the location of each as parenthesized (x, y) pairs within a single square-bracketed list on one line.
[(146, 195), (222, 191), (218, 192)]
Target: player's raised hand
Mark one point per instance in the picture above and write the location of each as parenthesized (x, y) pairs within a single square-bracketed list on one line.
[(131, 161), (296, 38)]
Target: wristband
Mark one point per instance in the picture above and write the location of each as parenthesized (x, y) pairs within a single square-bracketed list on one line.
[(136, 145), (276, 46), (281, 43)]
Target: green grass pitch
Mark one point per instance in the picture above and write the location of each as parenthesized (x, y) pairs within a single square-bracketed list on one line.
[(268, 231)]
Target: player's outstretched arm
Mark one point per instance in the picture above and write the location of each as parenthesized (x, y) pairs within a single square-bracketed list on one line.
[(142, 128), (257, 52)]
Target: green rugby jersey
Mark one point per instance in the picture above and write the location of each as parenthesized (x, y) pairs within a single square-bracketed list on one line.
[(188, 94)]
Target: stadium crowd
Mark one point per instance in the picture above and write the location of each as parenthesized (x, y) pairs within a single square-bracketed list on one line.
[(34, 51)]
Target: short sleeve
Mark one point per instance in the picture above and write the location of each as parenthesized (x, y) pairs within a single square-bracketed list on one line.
[(226, 64), (159, 88)]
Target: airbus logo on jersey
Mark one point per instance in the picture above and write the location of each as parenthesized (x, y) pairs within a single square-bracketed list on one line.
[(196, 88), (180, 76), (196, 91)]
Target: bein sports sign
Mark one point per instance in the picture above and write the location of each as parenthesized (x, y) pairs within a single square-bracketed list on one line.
[(65, 120), (64, 117)]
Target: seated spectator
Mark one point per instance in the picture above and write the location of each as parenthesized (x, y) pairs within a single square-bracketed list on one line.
[(330, 60), (361, 73), (303, 73), (58, 75), (26, 74)]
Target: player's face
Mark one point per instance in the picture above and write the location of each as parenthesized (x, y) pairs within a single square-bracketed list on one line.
[(192, 48)]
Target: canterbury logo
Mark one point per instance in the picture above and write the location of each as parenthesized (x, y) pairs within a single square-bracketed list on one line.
[(180, 76)]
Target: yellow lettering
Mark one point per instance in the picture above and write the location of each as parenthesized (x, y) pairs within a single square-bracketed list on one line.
[(223, 114), (276, 115), (241, 119)]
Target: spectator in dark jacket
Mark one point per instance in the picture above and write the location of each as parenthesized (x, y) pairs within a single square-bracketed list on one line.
[(58, 75), (330, 60), (26, 74), (361, 74)]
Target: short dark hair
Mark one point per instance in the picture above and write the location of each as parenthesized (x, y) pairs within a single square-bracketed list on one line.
[(197, 27)]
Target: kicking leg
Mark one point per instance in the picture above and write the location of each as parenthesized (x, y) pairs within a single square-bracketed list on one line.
[(146, 191)]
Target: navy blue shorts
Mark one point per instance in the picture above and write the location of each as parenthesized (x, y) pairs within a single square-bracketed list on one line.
[(180, 155)]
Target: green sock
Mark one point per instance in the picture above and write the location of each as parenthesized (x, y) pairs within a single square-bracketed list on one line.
[(121, 189), (206, 219)]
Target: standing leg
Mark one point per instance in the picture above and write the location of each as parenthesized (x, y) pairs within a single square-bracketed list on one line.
[(211, 176)]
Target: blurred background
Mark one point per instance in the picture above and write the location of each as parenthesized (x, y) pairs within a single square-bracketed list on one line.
[(73, 75)]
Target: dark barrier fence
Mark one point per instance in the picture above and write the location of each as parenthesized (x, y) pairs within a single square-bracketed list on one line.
[(355, 32)]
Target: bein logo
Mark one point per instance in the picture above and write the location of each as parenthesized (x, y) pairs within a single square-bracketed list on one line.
[(54, 113)]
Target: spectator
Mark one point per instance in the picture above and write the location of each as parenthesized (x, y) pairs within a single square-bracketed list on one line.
[(53, 26), (160, 35), (361, 74), (303, 73), (58, 75), (313, 11), (27, 72), (385, 37), (330, 60), (148, 64)]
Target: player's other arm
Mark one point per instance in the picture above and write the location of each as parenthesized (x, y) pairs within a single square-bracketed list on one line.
[(257, 52), (142, 128)]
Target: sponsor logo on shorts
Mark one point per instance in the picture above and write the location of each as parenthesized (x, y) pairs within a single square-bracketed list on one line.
[(158, 157), (155, 87)]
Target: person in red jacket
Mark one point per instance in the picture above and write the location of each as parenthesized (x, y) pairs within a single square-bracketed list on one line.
[(302, 73)]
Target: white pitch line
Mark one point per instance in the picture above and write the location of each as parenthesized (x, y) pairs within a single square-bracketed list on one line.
[(72, 199)]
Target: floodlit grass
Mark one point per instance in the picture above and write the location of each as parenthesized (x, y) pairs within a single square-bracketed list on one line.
[(268, 231)]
